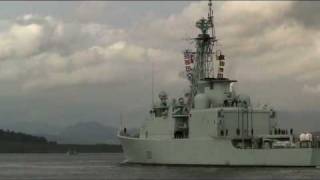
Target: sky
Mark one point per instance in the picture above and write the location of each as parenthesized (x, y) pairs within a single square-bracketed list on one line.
[(67, 62)]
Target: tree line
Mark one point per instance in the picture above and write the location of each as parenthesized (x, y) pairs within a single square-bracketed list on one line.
[(11, 136)]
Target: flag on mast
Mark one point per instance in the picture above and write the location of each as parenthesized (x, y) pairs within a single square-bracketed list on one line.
[(188, 61)]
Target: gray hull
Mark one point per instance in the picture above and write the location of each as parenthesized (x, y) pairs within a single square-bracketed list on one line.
[(213, 152)]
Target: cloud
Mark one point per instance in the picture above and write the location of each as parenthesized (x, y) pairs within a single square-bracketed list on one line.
[(306, 13), (90, 11), (263, 36), (312, 89), (20, 41), (263, 42)]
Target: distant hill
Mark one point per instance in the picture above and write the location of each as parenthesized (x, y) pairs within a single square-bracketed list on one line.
[(11, 136), (87, 133)]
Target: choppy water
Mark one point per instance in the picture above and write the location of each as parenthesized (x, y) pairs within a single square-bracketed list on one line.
[(107, 166)]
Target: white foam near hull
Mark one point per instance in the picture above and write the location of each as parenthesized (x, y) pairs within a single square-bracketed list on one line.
[(212, 152)]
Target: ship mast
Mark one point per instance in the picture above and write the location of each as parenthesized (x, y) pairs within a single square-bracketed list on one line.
[(204, 67), (203, 58), (210, 19)]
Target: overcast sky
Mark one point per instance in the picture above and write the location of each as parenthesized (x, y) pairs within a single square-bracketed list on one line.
[(65, 62)]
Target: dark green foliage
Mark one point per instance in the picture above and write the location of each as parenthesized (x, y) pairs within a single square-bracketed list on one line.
[(18, 147), (15, 142), (11, 136)]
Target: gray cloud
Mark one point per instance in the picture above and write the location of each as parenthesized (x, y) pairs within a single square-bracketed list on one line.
[(306, 12), (87, 67)]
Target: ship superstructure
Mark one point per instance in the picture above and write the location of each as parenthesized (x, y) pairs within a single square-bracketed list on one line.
[(213, 124)]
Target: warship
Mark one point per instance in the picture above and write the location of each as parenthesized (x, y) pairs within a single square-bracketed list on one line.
[(212, 124)]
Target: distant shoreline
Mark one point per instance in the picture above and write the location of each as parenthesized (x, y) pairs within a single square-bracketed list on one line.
[(18, 147)]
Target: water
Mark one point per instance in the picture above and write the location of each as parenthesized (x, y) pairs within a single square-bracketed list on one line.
[(107, 166)]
